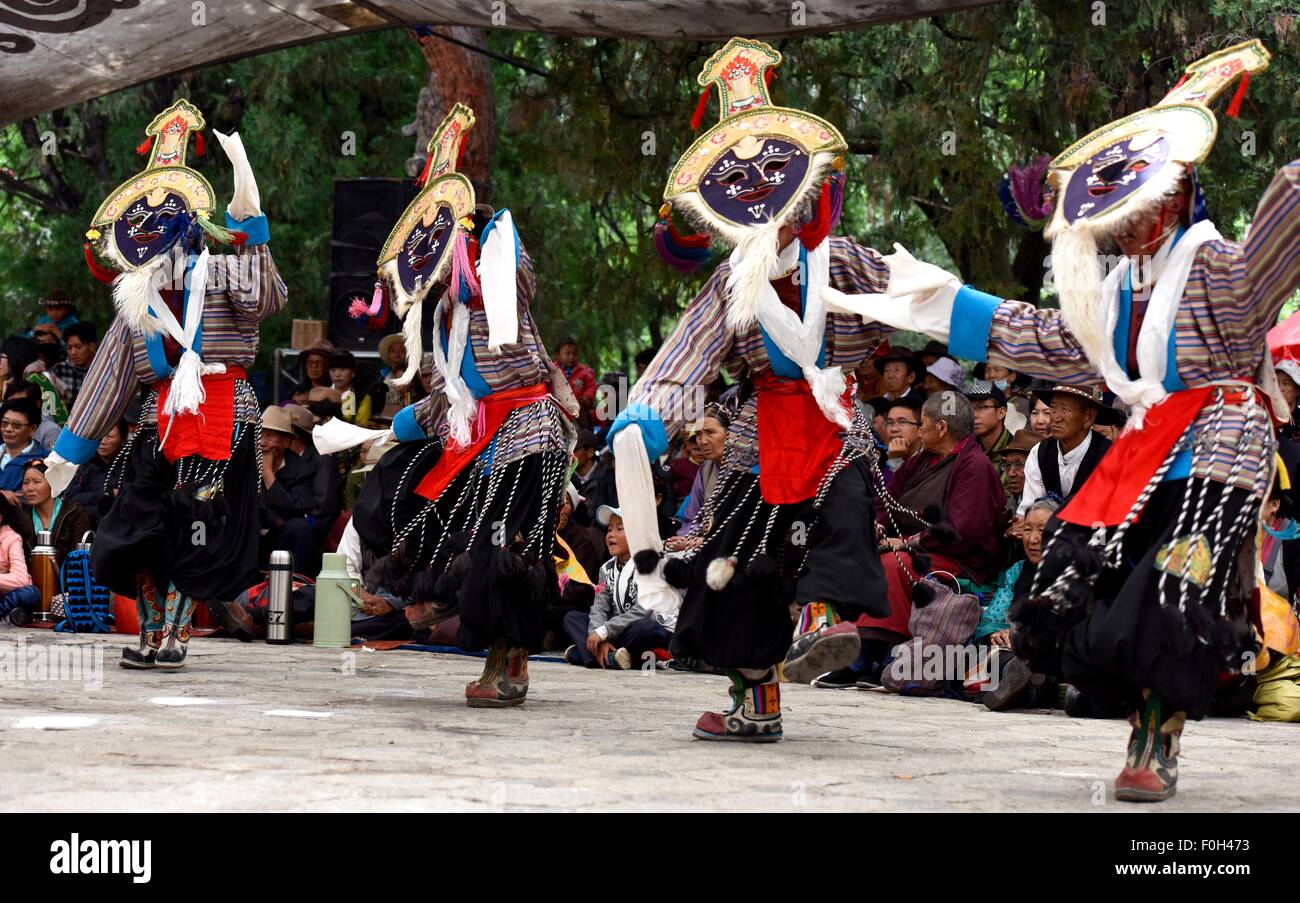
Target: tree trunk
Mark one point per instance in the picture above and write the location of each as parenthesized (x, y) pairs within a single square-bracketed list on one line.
[(457, 74)]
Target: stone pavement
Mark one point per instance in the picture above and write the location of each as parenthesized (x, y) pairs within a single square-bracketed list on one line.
[(260, 727)]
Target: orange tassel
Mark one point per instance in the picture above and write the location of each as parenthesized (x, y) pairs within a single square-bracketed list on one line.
[(1234, 107), (200, 148), (144, 148), (701, 108)]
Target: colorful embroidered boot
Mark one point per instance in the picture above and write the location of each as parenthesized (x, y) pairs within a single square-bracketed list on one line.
[(755, 715), (504, 681), (150, 614), (1151, 772), (176, 630), (821, 644)]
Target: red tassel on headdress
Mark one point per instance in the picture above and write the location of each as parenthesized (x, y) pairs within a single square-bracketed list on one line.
[(814, 232), (99, 271), (200, 146), (1234, 107), (768, 76), (701, 108), (460, 154), (144, 148), (238, 238), (424, 174)]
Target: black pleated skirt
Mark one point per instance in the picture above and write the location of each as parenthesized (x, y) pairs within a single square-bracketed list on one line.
[(180, 532)]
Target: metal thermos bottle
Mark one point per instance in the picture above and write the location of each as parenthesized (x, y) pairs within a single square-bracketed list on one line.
[(45, 576), (332, 626), (279, 606)]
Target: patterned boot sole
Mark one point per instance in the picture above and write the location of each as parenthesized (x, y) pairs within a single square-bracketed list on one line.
[(755, 737), (137, 662), (1133, 786), (813, 655)]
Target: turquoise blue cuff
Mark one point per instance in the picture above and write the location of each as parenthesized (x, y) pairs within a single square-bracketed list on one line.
[(652, 428), (971, 323), (255, 227), (74, 448), (406, 427)]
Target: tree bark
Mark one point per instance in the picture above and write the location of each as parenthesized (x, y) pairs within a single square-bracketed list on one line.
[(457, 74)]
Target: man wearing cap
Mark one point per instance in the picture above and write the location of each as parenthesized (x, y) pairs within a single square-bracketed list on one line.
[(899, 371), (990, 406), (1062, 463)]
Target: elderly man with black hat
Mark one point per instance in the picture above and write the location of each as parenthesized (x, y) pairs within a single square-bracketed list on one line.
[(1061, 463), (1015, 456), (899, 371)]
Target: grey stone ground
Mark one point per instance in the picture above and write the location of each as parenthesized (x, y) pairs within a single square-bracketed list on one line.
[(299, 728)]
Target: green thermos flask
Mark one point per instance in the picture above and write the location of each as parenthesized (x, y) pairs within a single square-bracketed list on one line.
[(335, 597)]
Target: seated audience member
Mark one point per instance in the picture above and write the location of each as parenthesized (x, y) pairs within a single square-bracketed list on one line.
[(87, 485), (685, 464), (16, 353), (54, 396), (585, 543), (16, 590), (617, 632), (593, 476), (81, 340), (1016, 684), (60, 311), (387, 400), (313, 369), (711, 437), (1279, 547), (990, 406), (385, 590), (899, 370), (1040, 417), (290, 503), (47, 431), (1288, 381), (945, 374), (1014, 456), (18, 421), (933, 350), (328, 484), (902, 433), (576, 574), (955, 490), (582, 379), (1062, 462), (66, 521), (343, 375)]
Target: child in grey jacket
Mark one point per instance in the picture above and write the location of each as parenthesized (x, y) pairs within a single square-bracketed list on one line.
[(617, 632)]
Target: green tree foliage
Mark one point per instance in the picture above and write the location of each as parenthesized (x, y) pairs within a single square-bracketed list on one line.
[(583, 152)]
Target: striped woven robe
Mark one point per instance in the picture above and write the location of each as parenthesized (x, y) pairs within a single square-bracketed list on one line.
[(1233, 296)]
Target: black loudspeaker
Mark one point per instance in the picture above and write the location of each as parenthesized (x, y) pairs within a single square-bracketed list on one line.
[(365, 211)]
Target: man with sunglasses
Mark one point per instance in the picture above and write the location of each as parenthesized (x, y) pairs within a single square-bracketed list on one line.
[(19, 418)]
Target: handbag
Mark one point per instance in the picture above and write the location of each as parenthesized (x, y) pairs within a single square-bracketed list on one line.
[(940, 630)]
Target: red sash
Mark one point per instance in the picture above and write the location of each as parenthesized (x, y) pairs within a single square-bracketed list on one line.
[(1114, 486), (492, 412), (206, 432), (796, 443)]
